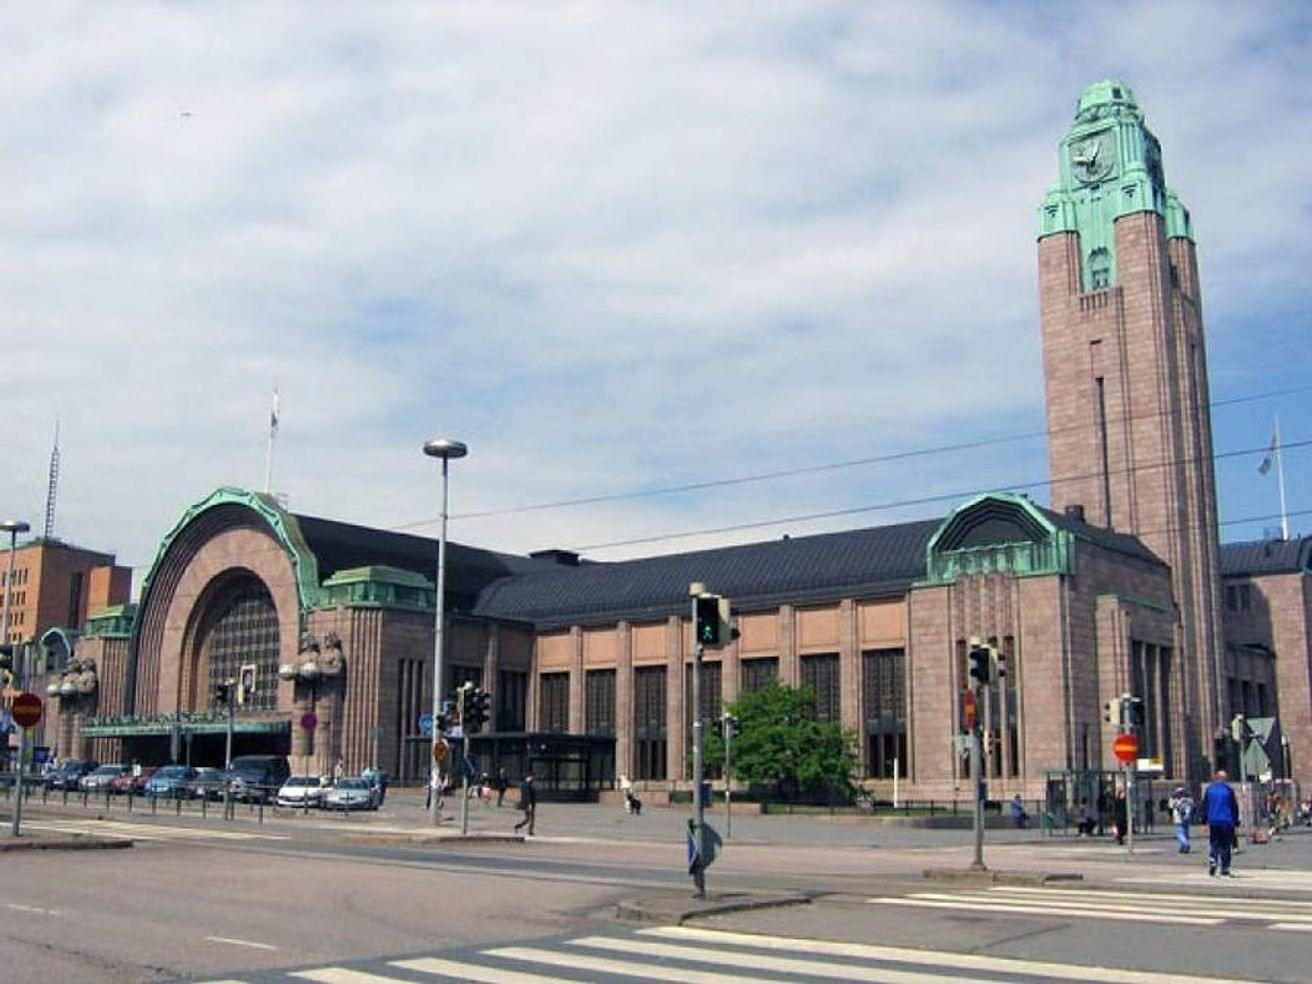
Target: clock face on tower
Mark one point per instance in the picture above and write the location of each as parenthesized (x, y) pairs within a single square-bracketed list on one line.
[(1093, 157)]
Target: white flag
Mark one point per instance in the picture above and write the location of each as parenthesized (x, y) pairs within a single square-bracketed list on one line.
[(1265, 466)]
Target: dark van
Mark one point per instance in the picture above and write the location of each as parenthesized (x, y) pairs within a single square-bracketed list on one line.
[(257, 778)]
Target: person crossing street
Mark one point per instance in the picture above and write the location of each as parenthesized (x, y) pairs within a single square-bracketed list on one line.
[(1221, 810)]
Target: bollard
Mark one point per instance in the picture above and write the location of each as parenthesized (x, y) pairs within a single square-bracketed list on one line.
[(154, 804), (86, 796), (106, 798), (204, 805), (177, 804), (45, 793), (66, 796), (261, 811), (129, 799)]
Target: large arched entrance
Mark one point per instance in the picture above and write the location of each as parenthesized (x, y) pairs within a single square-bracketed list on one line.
[(239, 633)]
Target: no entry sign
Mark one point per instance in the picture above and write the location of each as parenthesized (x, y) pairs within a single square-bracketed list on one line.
[(26, 710), (1126, 748)]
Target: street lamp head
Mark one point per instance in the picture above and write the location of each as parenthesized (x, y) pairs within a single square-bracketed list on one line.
[(445, 447), (12, 526)]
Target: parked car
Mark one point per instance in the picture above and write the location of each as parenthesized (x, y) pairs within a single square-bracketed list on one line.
[(172, 781), (208, 784), (257, 778), (98, 780), (300, 790), (68, 774), (133, 782), (352, 793)]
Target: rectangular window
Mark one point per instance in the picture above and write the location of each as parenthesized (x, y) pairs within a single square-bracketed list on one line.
[(1231, 598), (884, 686), (1246, 697), (711, 703), (1105, 455), (649, 722), (599, 702), (820, 674), (512, 700), (553, 702), (1245, 597), (757, 673), (1261, 699), (75, 599)]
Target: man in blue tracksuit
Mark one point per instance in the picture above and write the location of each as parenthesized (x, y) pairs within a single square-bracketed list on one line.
[(1221, 809)]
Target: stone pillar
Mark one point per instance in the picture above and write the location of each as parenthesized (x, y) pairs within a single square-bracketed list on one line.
[(850, 676), (492, 675), (790, 668), (577, 723), (624, 699), (675, 767)]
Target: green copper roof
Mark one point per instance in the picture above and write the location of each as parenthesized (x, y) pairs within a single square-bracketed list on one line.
[(1109, 165), (378, 586), (112, 622)]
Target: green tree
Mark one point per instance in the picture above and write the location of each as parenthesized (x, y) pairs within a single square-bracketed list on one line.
[(785, 748)]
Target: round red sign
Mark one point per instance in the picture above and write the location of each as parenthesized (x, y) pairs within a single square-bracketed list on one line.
[(26, 710), (1126, 748), (309, 720)]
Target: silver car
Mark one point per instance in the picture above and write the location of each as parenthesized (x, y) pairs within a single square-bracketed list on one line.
[(354, 793)]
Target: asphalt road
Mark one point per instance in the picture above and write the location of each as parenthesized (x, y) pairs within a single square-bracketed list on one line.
[(332, 899)]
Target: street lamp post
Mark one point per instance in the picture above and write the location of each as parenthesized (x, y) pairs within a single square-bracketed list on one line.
[(13, 527), (446, 449)]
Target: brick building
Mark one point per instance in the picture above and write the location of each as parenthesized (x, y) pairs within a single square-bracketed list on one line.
[(1119, 588)]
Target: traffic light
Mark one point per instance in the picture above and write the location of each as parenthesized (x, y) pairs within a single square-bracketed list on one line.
[(1239, 729), (1134, 715), (708, 621), (733, 726), (981, 662), (6, 664), (220, 693), (477, 708), (999, 664), (1111, 711), (246, 684)]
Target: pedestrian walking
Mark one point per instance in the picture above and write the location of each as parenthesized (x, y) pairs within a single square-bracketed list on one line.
[(1088, 819), (1221, 810), (632, 804), (339, 770), (1120, 816), (1018, 815), (503, 783), (1181, 805), (528, 802)]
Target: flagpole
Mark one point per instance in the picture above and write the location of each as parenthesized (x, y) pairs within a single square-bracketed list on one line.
[(268, 453), (1280, 477)]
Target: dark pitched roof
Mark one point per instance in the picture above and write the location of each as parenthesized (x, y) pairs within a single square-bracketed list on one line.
[(1266, 557), (870, 562), (1122, 543), (341, 546)]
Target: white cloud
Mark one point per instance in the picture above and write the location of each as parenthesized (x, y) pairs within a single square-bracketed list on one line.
[(583, 238)]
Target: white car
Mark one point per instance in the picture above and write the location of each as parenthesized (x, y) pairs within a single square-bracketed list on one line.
[(302, 791)]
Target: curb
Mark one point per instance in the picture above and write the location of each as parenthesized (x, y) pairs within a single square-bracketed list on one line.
[(678, 911), (66, 844), (990, 877)]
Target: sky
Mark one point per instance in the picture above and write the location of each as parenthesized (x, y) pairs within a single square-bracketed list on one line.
[(616, 248)]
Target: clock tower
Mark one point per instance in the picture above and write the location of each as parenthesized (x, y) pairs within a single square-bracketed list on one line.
[(1125, 370)]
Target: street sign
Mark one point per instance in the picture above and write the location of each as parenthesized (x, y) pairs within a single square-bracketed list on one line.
[(440, 751), (41, 755), (26, 710), (426, 724), (1126, 748), (309, 720)]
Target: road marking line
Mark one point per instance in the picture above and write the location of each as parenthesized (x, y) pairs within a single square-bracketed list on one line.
[(1047, 910), (1296, 927), (1297, 904), (474, 972), (340, 975), (895, 954), (1226, 911), (250, 943), (627, 968), (37, 910), (808, 967)]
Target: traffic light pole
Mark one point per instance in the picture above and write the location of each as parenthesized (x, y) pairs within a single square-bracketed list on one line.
[(232, 718), (698, 773), (464, 761), (977, 779), (727, 726), (20, 675)]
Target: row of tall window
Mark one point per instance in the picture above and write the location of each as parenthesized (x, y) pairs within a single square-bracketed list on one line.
[(1249, 698), (20, 576), (1239, 597), (883, 684), (1150, 679)]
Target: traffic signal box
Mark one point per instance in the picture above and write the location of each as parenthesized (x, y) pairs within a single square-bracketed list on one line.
[(987, 664), (713, 629)]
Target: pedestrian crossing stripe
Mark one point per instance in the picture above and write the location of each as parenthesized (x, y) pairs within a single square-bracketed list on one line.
[(689, 955), (911, 955), (1184, 910), (146, 831)]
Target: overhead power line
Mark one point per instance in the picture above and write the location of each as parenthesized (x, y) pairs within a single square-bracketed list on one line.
[(926, 500), (772, 475)]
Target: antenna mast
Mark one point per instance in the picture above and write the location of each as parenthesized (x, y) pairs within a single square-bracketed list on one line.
[(52, 485)]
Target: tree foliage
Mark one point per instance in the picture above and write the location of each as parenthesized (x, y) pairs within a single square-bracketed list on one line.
[(785, 748)]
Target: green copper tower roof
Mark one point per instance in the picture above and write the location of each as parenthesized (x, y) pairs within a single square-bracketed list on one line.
[(1109, 165)]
